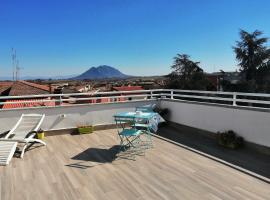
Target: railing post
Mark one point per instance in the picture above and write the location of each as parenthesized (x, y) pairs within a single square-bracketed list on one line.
[(151, 94), (234, 99), (171, 94), (60, 102)]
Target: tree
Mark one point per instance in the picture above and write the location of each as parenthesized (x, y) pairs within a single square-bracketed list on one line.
[(185, 67), (252, 53), (188, 75)]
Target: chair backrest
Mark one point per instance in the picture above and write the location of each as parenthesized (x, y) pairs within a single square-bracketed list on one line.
[(26, 124)]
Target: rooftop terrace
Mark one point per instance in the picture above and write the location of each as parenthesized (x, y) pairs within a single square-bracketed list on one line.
[(192, 166), (84, 167)]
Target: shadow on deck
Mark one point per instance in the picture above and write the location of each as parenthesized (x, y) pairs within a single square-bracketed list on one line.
[(245, 157), (94, 155)]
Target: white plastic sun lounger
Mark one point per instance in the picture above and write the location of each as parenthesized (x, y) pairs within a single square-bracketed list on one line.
[(24, 131), (7, 149)]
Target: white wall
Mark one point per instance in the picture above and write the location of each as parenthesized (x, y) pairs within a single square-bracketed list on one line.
[(95, 114), (252, 124)]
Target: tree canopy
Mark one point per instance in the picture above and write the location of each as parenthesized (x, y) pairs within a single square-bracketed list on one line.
[(253, 56), (252, 53), (187, 75), (185, 67)]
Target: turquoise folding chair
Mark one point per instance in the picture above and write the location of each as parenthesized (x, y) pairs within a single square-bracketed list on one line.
[(145, 125), (129, 135)]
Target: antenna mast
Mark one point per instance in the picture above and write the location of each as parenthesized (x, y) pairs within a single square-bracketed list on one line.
[(15, 65), (17, 70), (14, 60)]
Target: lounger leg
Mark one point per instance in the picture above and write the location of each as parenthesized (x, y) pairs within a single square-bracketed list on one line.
[(30, 141), (23, 150)]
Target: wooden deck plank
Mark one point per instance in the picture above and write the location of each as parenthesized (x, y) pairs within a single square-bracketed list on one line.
[(82, 167)]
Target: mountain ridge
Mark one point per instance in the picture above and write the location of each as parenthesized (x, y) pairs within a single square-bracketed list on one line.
[(101, 72)]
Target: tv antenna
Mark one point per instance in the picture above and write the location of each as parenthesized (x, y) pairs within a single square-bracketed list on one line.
[(14, 63), (18, 69)]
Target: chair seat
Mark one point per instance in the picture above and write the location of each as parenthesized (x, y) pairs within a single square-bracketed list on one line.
[(130, 132)]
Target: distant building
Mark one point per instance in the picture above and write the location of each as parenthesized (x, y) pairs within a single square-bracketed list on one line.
[(5, 84), (216, 78), (84, 88), (129, 88), (4, 91), (22, 88), (22, 103)]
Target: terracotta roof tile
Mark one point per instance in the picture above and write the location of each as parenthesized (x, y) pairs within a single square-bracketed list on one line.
[(5, 83), (20, 88), (4, 89), (39, 86), (19, 103), (128, 88)]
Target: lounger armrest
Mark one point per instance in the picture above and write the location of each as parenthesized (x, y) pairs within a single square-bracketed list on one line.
[(12, 140), (31, 133)]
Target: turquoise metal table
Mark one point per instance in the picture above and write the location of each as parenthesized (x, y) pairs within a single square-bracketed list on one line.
[(136, 115)]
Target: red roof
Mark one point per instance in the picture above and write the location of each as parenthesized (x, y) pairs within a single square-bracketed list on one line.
[(3, 89), (20, 88), (128, 88), (5, 83), (39, 86), (4, 86), (19, 103)]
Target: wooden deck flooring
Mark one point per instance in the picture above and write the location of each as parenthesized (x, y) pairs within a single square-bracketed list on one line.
[(83, 167)]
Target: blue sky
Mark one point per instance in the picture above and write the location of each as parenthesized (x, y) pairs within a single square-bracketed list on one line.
[(138, 37)]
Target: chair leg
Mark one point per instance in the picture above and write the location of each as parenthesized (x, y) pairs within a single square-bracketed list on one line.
[(130, 146), (149, 139)]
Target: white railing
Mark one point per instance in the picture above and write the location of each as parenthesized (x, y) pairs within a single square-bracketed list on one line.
[(79, 98), (224, 98)]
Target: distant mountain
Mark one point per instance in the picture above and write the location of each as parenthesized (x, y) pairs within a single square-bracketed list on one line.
[(101, 72)]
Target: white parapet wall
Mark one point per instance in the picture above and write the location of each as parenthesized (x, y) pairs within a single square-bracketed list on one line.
[(251, 123), (71, 116)]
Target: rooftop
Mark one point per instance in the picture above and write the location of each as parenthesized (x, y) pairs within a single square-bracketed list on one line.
[(4, 89), (35, 85), (84, 167), (19, 88), (22, 103), (128, 88)]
